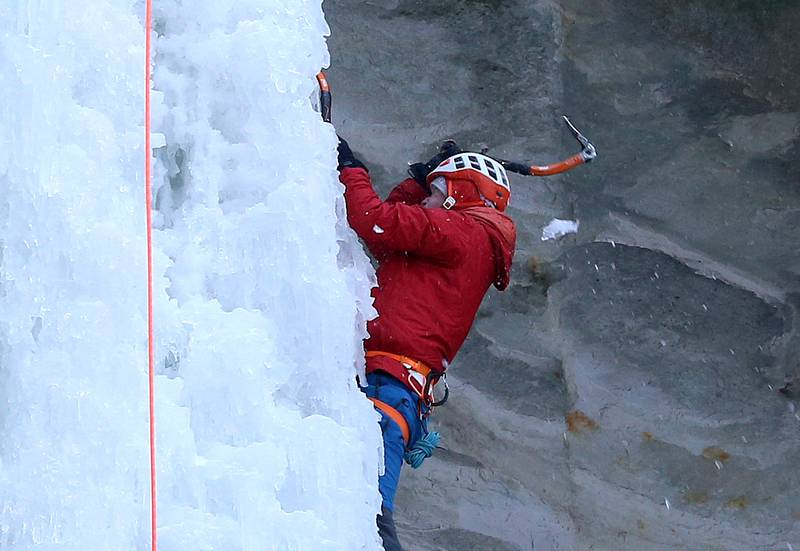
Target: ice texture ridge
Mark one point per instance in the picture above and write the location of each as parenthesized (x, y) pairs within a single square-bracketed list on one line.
[(261, 290)]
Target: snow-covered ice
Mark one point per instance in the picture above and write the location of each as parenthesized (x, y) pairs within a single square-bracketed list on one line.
[(261, 290), (559, 228)]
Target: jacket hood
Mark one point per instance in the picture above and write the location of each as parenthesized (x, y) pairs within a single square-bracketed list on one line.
[(503, 235)]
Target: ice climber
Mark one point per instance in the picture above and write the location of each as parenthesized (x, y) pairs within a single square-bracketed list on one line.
[(441, 240)]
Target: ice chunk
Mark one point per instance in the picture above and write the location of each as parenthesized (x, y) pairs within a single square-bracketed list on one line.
[(157, 140)]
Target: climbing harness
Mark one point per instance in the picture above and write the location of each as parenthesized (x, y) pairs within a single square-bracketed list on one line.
[(395, 416), (420, 379), (420, 450), (416, 375)]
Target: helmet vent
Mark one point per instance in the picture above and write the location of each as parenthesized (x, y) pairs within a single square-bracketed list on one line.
[(459, 162)]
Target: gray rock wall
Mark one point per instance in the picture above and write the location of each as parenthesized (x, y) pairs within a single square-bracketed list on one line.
[(625, 392)]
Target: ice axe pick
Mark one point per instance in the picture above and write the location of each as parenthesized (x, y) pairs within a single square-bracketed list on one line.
[(587, 154)]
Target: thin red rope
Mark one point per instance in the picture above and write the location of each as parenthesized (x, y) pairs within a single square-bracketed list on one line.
[(150, 334)]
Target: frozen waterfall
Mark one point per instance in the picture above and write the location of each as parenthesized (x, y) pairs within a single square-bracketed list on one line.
[(261, 289)]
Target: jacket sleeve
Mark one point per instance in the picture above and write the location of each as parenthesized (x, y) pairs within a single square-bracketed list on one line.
[(408, 191), (395, 227)]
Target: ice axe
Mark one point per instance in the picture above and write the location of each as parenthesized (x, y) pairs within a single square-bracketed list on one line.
[(586, 155), (324, 97)]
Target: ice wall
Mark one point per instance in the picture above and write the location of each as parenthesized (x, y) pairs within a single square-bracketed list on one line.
[(264, 441)]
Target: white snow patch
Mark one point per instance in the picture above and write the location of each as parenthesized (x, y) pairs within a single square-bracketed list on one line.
[(558, 228)]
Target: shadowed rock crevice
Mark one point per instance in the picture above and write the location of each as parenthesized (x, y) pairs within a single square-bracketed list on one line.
[(534, 387)]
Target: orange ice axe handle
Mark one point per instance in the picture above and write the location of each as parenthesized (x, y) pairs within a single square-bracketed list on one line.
[(324, 97), (587, 154)]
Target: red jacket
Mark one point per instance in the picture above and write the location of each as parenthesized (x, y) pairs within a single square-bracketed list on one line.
[(435, 265)]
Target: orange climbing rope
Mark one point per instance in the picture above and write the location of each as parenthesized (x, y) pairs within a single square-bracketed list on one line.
[(149, 217)]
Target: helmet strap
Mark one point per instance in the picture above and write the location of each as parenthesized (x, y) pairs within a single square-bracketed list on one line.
[(450, 202)]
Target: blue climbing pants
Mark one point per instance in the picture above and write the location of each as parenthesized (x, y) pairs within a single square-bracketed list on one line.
[(394, 393)]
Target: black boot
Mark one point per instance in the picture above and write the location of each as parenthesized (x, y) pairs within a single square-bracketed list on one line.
[(387, 531)]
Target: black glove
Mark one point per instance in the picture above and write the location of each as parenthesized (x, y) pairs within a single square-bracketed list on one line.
[(420, 171), (448, 149), (346, 157)]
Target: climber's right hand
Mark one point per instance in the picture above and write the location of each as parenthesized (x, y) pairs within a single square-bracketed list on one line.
[(420, 171), (449, 148)]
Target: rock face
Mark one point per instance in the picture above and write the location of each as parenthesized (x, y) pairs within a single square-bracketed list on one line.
[(637, 386)]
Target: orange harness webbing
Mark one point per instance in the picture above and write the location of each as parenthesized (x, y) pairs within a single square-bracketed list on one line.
[(417, 366), (395, 416)]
